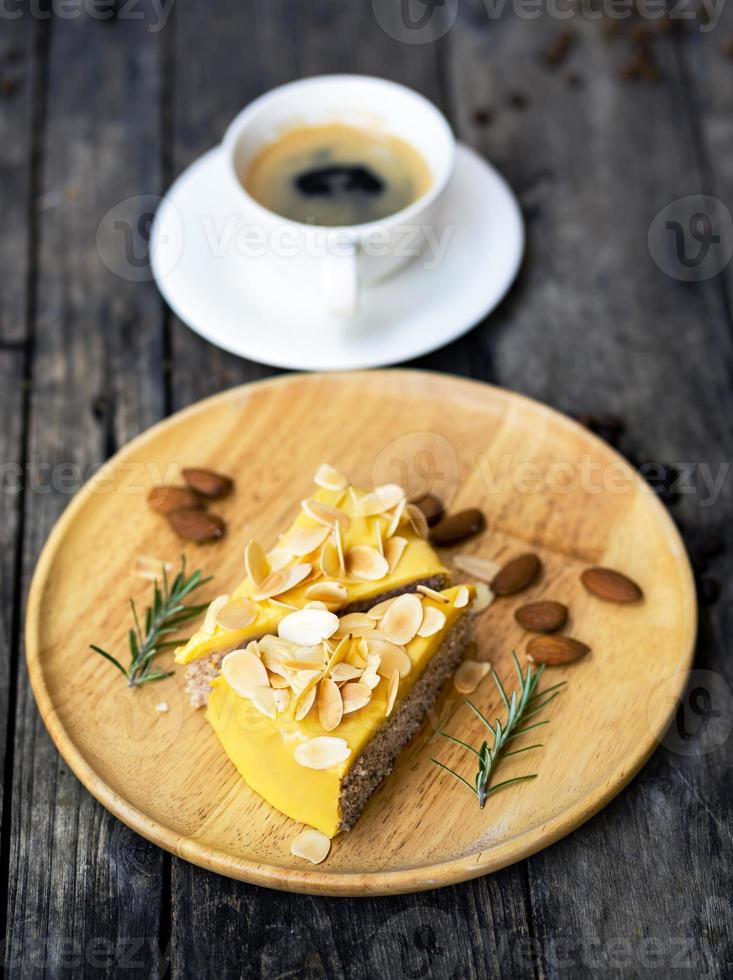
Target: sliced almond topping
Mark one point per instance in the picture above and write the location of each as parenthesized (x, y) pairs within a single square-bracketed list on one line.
[(382, 499), (263, 698), (394, 549), (308, 627), (282, 700), (376, 612), (391, 657), (329, 478), (236, 614), (278, 558), (151, 568), (282, 605), (356, 624), (256, 564), (282, 581), (325, 513), (332, 592), (393, 687), (277, 682), (462, 597), (330, 705), (355, 696), (322, 752), (403, 619), (370, 677), (366, 563), (330, 564), (378, 537), (305, 704), (209, 624), (338, 541), (345, 672), (484, 597), (244, 672), (433, 621), (418, 521), (303, 665), (311, 845), (304, 540), (438, 596), (394, 521), (315, 604), (480, 568), (469, 675)]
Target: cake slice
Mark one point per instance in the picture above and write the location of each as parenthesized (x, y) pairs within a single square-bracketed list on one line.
[(313, 718), (347, 548)]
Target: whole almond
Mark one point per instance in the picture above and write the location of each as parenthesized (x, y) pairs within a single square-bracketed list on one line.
[(164, 499), (554, 650), (458, 527), (196, 525), (432, 507), (208, 483), (542, 617), (605, 583), (516, 575)]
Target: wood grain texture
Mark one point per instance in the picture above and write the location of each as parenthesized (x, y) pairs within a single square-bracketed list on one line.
[(95, 370), (167, 777)]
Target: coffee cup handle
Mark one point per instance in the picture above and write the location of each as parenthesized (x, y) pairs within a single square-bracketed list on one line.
[(340, 281)]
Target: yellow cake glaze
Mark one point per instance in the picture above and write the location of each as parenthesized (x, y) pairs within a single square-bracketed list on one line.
[(262, 748), (418, 561)]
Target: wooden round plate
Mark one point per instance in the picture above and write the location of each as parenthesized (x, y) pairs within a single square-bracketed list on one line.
[(544, 483)]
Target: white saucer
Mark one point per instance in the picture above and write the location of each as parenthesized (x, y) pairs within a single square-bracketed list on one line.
[(247, 307)]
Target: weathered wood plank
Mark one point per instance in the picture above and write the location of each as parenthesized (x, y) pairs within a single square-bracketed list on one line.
[(595, 325), (93, 901)]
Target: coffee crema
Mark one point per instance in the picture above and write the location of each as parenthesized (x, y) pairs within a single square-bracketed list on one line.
[(336, 174)]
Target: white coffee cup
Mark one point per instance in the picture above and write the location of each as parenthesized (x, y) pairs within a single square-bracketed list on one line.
[(337, 261)]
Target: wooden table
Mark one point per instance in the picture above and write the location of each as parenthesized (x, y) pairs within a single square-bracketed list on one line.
[(94, 111)]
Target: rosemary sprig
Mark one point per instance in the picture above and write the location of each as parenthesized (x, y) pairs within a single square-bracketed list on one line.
[(523, 704), (166, 615)]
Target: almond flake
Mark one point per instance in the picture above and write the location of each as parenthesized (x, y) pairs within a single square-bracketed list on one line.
[(311, 845), (263, 698), (278, 682), (330, 564), (433, 621), (236, 614), (329, 478), (393, 687), (394, 550), (244, 673), (391, 657), (394, 521), (282, 581), (325, 513), (345, 672), (376, 612), (355, 624), (330, 705), (438, 596), (355, 696), (366, 563), (256, 564), (303, 665), (305, 704), (418, 521), (403, 618), (370, 677), (151, 568), (480, 568), (322, 752), (469, 675), (378, 537), (279, 558), (304, 540), (282, 605), (209, 624), (328, 592), (484, 598), (462, 597), (308, 627), (315, 604), (338, 541), (382, 499)]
